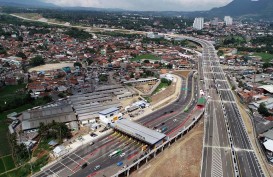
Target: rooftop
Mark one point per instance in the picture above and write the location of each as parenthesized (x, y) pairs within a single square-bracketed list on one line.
[(109, 110), (138, 131)]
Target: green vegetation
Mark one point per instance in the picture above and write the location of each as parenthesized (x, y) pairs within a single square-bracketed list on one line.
[(9, 163), (78, 34), (220, 53), (54, 130), (37, 61), (267, 57), (233, 41), (2, 166), (146, 56), (17, 100), (77, 64), (163, 84), (117, 34), (103, 78), (263, 110)]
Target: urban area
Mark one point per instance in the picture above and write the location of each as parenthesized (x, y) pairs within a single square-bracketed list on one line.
[(109, 92)]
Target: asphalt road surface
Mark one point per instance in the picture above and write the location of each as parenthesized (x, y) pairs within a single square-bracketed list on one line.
[(217, 155)]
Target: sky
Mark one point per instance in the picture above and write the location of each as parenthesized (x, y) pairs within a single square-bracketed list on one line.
[(154, 5)]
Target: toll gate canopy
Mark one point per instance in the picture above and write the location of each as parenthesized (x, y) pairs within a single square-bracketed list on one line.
[(138, 131)]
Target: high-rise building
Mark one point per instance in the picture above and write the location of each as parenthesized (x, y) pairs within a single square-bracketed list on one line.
[(228, 20), (198, 23), (214, 22)]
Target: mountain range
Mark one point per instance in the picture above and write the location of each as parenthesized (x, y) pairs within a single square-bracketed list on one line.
[(237, 8), (250, 8)]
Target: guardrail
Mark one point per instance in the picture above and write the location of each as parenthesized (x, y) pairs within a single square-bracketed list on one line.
[(143, 160)]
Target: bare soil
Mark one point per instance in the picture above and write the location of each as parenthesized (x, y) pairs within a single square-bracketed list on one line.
[(182, 159), (182, 73), (163, 94)]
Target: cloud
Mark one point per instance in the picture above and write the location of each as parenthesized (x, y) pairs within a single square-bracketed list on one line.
[(174, 5)]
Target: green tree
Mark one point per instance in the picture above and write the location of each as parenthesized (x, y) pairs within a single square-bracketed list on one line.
[(263, 110), (220, 53), (21, 55), (78, 64), (266, 65), (37, 61)]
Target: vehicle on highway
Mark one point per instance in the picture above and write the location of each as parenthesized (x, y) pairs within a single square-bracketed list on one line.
[(91, 143), (115, 153), (97, 167), (171, 111), (119, 163), (174, 120), (163, 123), (84, 165), (93, 134), (122, 155)]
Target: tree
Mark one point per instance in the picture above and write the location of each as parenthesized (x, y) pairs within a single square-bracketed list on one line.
[(266, 65), (220, 53), (37, 61), (263, 110), (21, 55), (78, 64)]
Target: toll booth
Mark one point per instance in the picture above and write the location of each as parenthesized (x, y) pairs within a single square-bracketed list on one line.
[(148, 136)]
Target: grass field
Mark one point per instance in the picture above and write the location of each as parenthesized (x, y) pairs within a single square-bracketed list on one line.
[(160, 87), (2, 166), (9, 163), (8, 92), (146, 56), (267, 57)]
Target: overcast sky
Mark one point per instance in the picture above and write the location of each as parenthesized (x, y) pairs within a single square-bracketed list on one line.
[(174, 5)]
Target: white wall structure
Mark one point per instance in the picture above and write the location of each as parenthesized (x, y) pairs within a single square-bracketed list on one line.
[(108, 116)]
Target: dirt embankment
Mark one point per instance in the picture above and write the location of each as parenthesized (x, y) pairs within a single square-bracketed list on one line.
[(182, 159)]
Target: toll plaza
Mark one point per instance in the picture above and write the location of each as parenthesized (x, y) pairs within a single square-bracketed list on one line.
[(150, 137)]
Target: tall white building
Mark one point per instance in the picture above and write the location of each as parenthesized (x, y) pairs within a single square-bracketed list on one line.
[(228, 20), (198, 23)]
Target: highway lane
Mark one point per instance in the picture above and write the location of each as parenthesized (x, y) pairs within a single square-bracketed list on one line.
[(245, 154), (174, 106), (216, 150), (246, 158)]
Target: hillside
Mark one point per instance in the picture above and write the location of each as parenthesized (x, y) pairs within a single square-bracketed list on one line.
[(254, 8)]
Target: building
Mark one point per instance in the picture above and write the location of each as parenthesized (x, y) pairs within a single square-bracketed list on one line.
[(58, 112), (267, 142), (214, 22), (151, 80), (110, 115), (198, 23), (228, 20)]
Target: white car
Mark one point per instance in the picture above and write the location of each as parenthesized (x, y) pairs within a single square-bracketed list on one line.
[(122, 155)]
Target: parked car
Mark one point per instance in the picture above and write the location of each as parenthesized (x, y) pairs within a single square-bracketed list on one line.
[(122, 155), (97, 167), (119, 163)]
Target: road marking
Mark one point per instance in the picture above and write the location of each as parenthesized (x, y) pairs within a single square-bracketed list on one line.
[(216, 169), (66, 167), (73, 160)]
